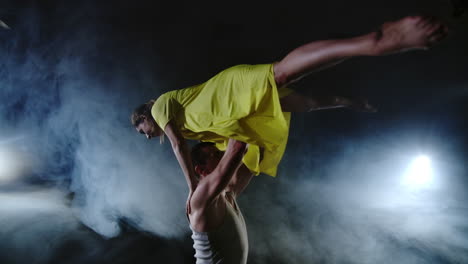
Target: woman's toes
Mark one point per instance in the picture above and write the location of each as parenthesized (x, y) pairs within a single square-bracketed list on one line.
[(436, 38), (434, 29), (435, 25), (443, 29), (438, 33), (429, 23), (420, 21)]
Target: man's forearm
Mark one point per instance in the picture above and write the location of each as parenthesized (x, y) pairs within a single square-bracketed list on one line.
[(228, 164), (211, 185), (240, 180)]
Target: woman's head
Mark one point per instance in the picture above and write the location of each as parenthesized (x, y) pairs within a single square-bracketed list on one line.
[(143, 121)]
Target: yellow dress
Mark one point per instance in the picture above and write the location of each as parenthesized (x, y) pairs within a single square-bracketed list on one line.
[(241, 102)]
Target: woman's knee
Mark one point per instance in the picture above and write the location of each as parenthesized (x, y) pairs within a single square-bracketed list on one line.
[(281, 76)]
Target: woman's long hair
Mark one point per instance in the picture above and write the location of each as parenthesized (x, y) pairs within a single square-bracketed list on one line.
[(140, 111)]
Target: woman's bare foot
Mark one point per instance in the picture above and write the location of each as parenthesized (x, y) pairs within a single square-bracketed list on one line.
[(358, 104), (413, 32)]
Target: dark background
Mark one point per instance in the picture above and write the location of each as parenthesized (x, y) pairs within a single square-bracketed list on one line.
[(78, 185)]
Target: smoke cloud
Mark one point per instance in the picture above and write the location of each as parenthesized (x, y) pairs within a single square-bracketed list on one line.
[(356, 210), (65, 104)]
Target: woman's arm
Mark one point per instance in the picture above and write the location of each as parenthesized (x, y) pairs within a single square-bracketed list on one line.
[(181, 151)]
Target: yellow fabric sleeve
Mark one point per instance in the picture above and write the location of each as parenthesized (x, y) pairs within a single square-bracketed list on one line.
[(165, 109)]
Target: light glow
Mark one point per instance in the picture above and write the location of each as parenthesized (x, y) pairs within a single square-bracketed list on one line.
[(419, 173), (12, 165)]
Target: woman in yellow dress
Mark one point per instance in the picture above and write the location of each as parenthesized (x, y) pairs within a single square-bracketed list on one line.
[(251, 103)]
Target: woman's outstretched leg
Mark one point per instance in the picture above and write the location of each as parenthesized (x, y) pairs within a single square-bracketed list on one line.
[(415, 32), (295, 102)]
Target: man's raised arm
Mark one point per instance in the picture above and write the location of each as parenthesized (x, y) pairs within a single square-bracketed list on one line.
[(214, 183)]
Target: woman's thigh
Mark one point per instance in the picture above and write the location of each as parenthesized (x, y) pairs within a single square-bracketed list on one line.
[(295, 102)]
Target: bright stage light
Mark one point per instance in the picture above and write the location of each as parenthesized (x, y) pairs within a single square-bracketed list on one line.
[(12, 165), (419, 173)]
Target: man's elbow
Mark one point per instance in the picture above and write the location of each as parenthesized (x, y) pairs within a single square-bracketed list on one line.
[(240, 148)]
